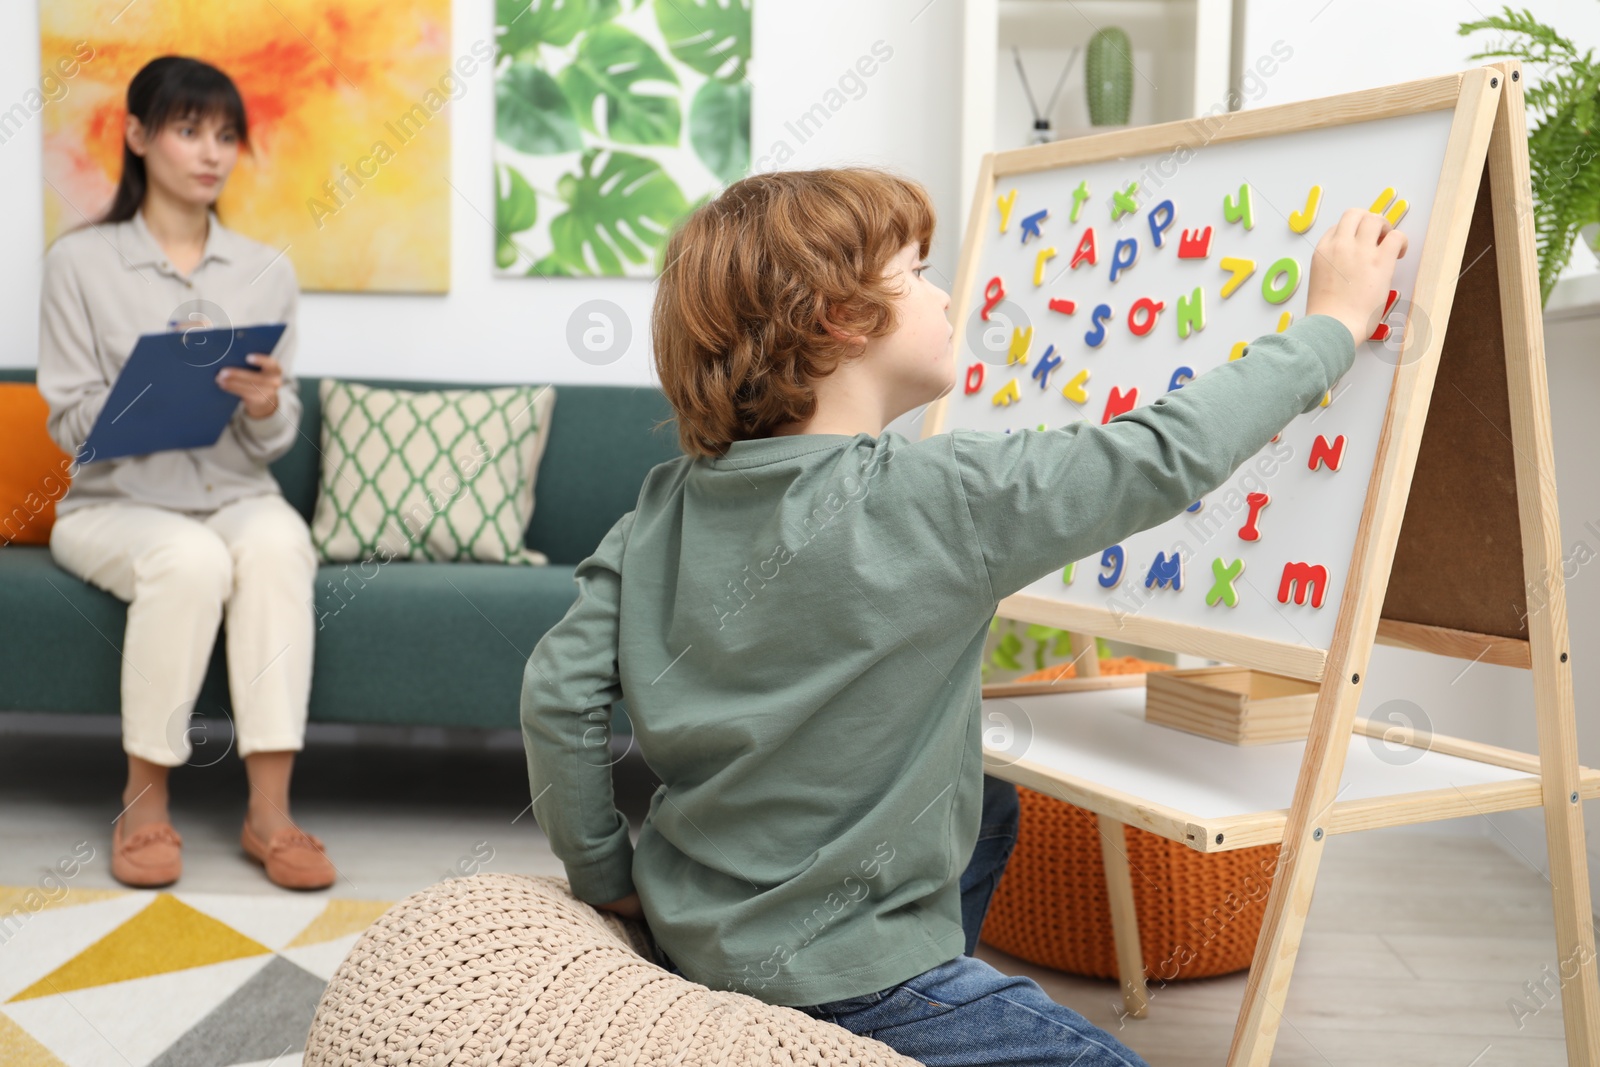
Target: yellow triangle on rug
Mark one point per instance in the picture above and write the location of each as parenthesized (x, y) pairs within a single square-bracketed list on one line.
[(168, 935)]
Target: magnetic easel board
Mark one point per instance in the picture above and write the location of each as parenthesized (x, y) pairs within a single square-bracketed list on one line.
[(1192, 178)]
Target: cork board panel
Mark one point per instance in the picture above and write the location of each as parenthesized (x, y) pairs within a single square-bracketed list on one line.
[(1458, 562)]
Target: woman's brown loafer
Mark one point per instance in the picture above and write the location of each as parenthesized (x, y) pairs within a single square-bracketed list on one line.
[(293, 858), (149, 857)]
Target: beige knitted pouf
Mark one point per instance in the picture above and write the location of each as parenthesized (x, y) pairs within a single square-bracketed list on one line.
[(514, 970)]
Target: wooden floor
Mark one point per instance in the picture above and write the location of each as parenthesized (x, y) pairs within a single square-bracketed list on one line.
[(1418, 943)]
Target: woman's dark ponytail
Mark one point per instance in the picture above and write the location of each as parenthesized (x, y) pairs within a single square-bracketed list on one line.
[(166, 89)]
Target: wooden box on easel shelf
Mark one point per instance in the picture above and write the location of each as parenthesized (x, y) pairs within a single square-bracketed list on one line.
[(1233, 704)]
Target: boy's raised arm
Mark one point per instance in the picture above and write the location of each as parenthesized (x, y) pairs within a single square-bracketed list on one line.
[(568, 687)]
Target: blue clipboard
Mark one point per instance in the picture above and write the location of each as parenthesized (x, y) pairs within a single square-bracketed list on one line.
[(167, 395)]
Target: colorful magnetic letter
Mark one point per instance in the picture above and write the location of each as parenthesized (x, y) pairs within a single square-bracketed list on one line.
[(1238, 350), (1063, 305), (1284, 320), (1300, 577), (1125, 255), (1192, 312), (1142, 316), (993, 293), (1085, 252), (1074, 390), (1113, 557), (1194, 244), (1179, 376), (1021, 338), (1241, 269), (1047, 363), (1238, 210), (1030, 224), (974, 380), (1009, 394), (1066, 573), (1301, 221), (1098, 319), (1006, 203), (1118, 402), (1322, 452), (1382, 331), (1079, 195), (1281, 280), (1158, 229), (1257, 501), (1224, 575), (1123, 203), (1196, 505), (1045, 255), (1165, 571), (1395, 212)]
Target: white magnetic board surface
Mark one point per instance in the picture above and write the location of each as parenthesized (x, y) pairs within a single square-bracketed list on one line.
[(1101, 736), (1311, 516)]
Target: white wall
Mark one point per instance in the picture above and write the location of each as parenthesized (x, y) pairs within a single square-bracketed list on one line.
[(489, 329)]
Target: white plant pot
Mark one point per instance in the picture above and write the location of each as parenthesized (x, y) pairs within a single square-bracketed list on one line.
[(1591, 237)]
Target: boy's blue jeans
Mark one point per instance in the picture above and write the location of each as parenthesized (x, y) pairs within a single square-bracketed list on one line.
[(965, 1013)]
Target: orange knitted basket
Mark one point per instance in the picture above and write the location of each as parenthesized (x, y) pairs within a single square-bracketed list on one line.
[(1199, 913)]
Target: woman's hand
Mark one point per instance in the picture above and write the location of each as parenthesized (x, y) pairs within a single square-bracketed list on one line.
[(258, 388), (628, 907)]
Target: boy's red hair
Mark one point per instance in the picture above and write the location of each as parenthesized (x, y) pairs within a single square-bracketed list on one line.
[(737, 325)]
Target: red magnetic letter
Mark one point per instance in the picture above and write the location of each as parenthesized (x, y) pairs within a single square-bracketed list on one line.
[(1300, 576), (1146, 310), (1118, 402), (1257, 501), (1085, 252), (1194, 244), (993, 293), (1322, 452), (974, 384)]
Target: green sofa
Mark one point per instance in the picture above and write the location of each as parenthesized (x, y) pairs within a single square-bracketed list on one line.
[(440, 644)]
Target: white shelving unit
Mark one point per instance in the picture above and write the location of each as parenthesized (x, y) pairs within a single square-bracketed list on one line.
[(1182, 53)]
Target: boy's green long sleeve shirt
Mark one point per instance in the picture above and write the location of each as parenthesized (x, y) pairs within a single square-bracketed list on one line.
[(797, 630)]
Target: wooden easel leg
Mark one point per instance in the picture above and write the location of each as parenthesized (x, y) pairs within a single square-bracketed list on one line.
[(1085, 655), (1124, 918), (1528, 392)]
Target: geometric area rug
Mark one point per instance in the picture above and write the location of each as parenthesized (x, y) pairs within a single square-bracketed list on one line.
[(144, 978)]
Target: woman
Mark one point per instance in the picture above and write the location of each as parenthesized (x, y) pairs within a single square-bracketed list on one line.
[(194, 536)]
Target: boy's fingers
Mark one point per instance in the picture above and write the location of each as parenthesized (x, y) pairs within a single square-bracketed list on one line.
[(1347, 222), (1396, 242), (1370, 229)]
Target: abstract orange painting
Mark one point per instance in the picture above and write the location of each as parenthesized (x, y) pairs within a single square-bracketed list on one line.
[(347, 102)]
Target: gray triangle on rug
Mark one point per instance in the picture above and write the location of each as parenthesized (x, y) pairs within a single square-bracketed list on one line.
[(267, 1017)]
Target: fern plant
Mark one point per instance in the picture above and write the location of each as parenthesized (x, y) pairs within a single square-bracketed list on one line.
[(1562, 146)]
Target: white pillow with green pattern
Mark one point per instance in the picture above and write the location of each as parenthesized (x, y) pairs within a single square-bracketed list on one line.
[(433, 474)]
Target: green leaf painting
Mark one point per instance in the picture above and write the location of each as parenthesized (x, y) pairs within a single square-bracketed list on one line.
[(630, 203), (613, 120)]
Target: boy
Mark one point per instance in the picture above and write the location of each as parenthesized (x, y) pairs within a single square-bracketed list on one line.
[(796, 609)]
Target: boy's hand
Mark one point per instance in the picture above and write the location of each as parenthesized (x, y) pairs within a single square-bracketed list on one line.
[(628, 907), (1351, 271)]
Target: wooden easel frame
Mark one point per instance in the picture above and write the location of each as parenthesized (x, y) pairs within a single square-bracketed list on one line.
[(1485, 179)]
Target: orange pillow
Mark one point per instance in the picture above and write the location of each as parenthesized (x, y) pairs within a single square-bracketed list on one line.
[(34, 472)]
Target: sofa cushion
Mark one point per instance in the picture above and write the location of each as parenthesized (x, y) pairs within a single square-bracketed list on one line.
[(34, 472), (435, 474)]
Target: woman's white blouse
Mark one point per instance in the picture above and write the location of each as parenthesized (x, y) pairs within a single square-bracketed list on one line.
[(106, 284)]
